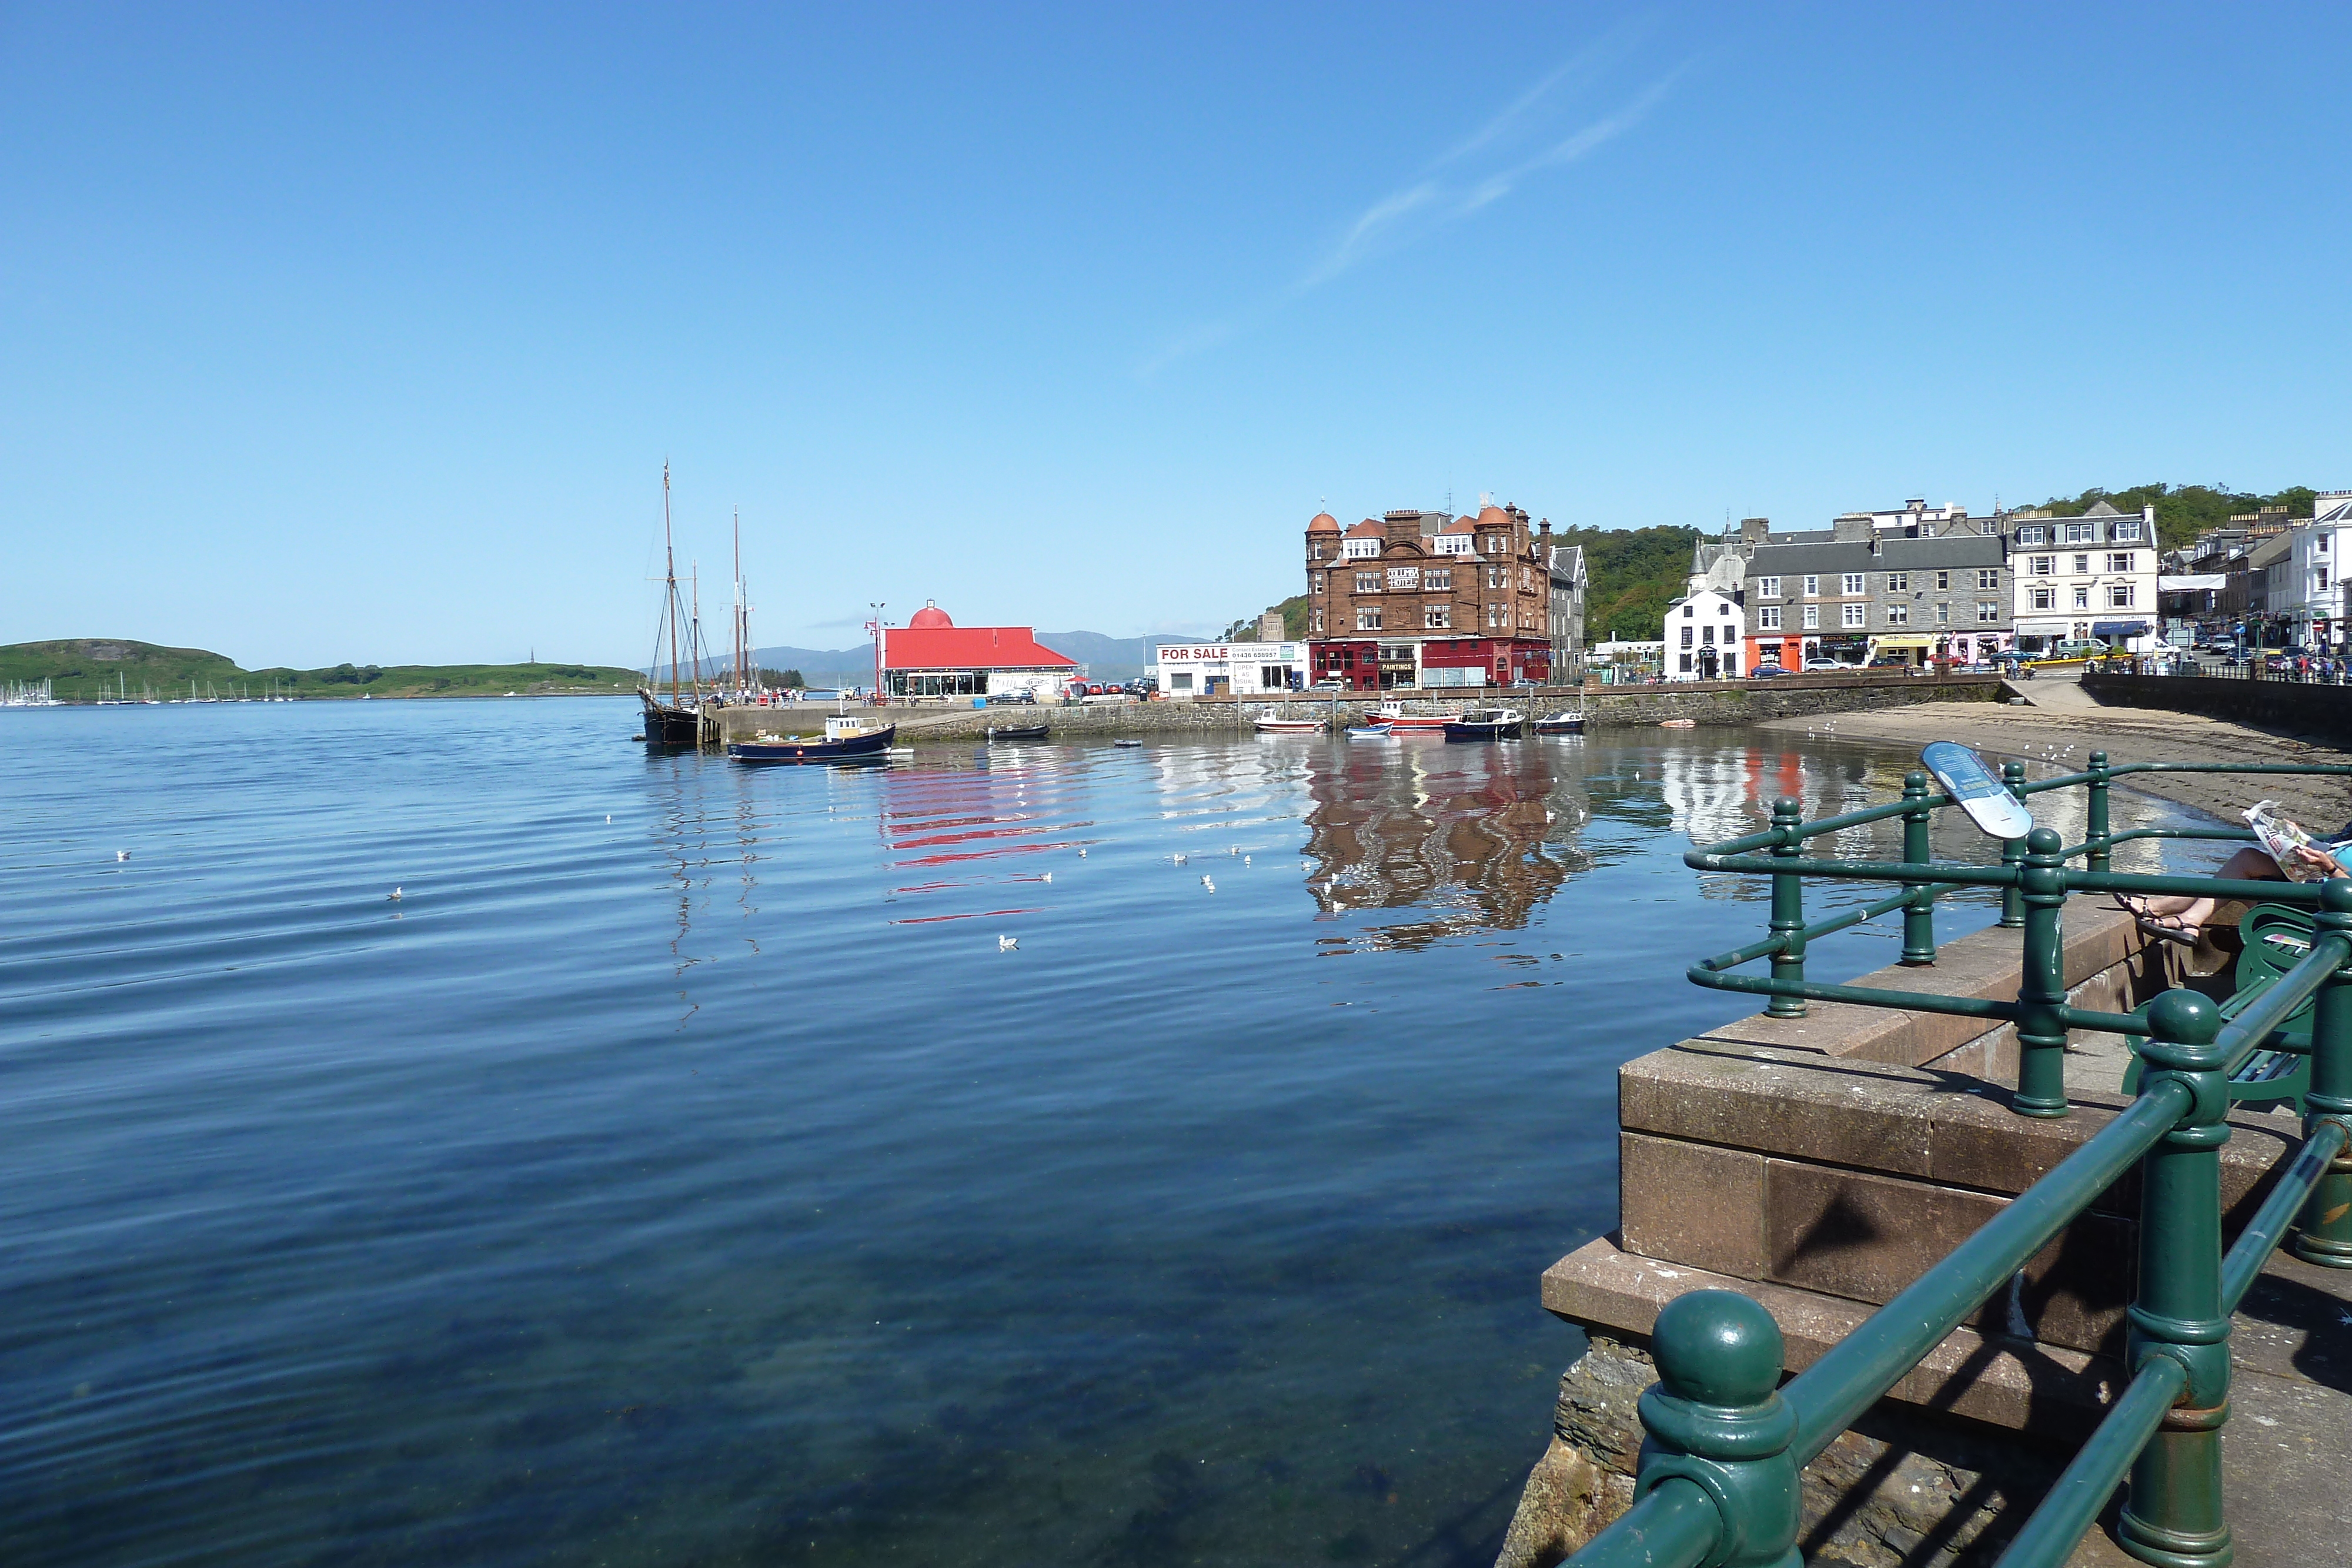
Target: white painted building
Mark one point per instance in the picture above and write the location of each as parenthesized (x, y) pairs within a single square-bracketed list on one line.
[(2307, 590), (1200, 669), (2077, 579), (1704, 631)]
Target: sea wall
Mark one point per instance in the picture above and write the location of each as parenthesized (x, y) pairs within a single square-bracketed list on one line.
[(1605, 707), (2323, 711)]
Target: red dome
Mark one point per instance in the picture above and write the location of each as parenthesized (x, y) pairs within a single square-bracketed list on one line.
[(929, 615), (1323, 523)]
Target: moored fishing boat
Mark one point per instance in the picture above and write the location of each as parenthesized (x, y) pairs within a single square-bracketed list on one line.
[(1287, 725), (1394, 716), (1370, 732), (846, 739), (1486, 724), (1561, 723), (1019, 732)]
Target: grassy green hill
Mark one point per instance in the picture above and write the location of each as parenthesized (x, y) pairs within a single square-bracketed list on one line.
[(84, 669)]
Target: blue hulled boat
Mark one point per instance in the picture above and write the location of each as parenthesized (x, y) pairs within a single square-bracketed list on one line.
[(845, 740)]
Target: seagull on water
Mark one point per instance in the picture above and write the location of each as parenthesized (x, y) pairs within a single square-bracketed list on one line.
[(1082, 854), (396, 896), (1049, 876), (1179, 859), (122, 855), (1007, 944)]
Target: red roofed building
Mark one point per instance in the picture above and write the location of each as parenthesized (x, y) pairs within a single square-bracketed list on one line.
[(931, 656)]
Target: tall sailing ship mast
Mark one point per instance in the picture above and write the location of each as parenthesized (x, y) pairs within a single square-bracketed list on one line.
[(742, 627), (677, 722)]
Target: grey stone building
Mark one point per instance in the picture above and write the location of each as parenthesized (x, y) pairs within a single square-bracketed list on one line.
[(1911, 584)]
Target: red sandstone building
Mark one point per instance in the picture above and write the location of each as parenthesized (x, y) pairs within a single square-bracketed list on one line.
[(1417, 599)]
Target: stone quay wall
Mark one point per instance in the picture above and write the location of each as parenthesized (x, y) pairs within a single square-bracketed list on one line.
[(1821, 1164), (2291, 705), (1605, 707)]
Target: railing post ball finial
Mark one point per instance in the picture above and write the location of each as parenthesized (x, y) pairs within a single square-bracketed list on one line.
[(1716, 1417), (2042, 841), (2173, 1514), (2324, 1235)]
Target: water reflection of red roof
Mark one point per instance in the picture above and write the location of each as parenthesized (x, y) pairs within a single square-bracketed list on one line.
[(968, 648)]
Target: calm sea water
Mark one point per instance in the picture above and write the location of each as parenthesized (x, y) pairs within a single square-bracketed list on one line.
[(681, 1172)]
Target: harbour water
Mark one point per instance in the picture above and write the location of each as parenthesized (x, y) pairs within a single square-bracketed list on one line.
[(683, 1169)]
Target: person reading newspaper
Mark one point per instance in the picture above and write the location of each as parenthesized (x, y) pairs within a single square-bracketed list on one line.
[(2285, 853)]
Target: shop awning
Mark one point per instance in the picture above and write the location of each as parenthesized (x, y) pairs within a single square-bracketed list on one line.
[(2118, 628), (1904, 639), (2045, 628)]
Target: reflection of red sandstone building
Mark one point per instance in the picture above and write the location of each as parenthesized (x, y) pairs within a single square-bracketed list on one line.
[(1418, 600), (1472, 843)]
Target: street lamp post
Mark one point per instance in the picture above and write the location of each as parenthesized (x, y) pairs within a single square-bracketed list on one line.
[(874, 628)]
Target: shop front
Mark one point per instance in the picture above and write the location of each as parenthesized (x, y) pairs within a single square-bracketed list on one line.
[(1845, 647), (1909, 649), (1206, 669), (2036, 639), (2132, 636)]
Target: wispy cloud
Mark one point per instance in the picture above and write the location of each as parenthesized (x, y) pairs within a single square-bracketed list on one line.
[(1485, 167), (1429, 205)]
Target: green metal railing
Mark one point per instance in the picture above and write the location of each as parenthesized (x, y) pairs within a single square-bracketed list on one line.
[(1717, 1484)]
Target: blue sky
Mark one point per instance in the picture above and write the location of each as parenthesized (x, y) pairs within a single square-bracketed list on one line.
[(340, 333)]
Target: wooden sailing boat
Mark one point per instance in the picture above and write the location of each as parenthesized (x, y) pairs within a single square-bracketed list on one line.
[(677, 723)]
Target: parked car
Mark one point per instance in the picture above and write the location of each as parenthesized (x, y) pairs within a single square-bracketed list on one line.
[(1825, 665), (1000, 699), (1762, 671)]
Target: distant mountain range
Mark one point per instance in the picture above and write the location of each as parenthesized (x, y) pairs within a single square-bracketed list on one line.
[(1106, 658)]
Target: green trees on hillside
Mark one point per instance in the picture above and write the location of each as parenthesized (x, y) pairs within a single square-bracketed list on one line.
[(1630, 576), (2184, 511)]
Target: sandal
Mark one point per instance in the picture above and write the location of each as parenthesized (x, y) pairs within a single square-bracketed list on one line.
[(2171, 928), (2134, 904)]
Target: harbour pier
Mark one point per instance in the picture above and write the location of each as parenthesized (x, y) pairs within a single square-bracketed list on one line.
[(1604, 707)]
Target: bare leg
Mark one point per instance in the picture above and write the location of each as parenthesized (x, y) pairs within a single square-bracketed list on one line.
[(2182, 918)]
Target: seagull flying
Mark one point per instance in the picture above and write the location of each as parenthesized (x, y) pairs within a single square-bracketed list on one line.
[(1207, 883)]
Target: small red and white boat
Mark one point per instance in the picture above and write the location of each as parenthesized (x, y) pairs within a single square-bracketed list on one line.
[(1400, 722)]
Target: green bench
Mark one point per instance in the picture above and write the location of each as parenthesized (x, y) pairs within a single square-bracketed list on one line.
[(2277, 939)]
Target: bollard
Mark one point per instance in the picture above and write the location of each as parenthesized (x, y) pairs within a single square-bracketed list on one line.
[(1919, 915), (2042, 993), (2099, 857), (2172, 1514), (1716, 1417), (2325, 1236), (2012, 852), (1788, 907)]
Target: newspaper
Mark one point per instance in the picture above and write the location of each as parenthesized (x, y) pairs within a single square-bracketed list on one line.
[(2281, 836)]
